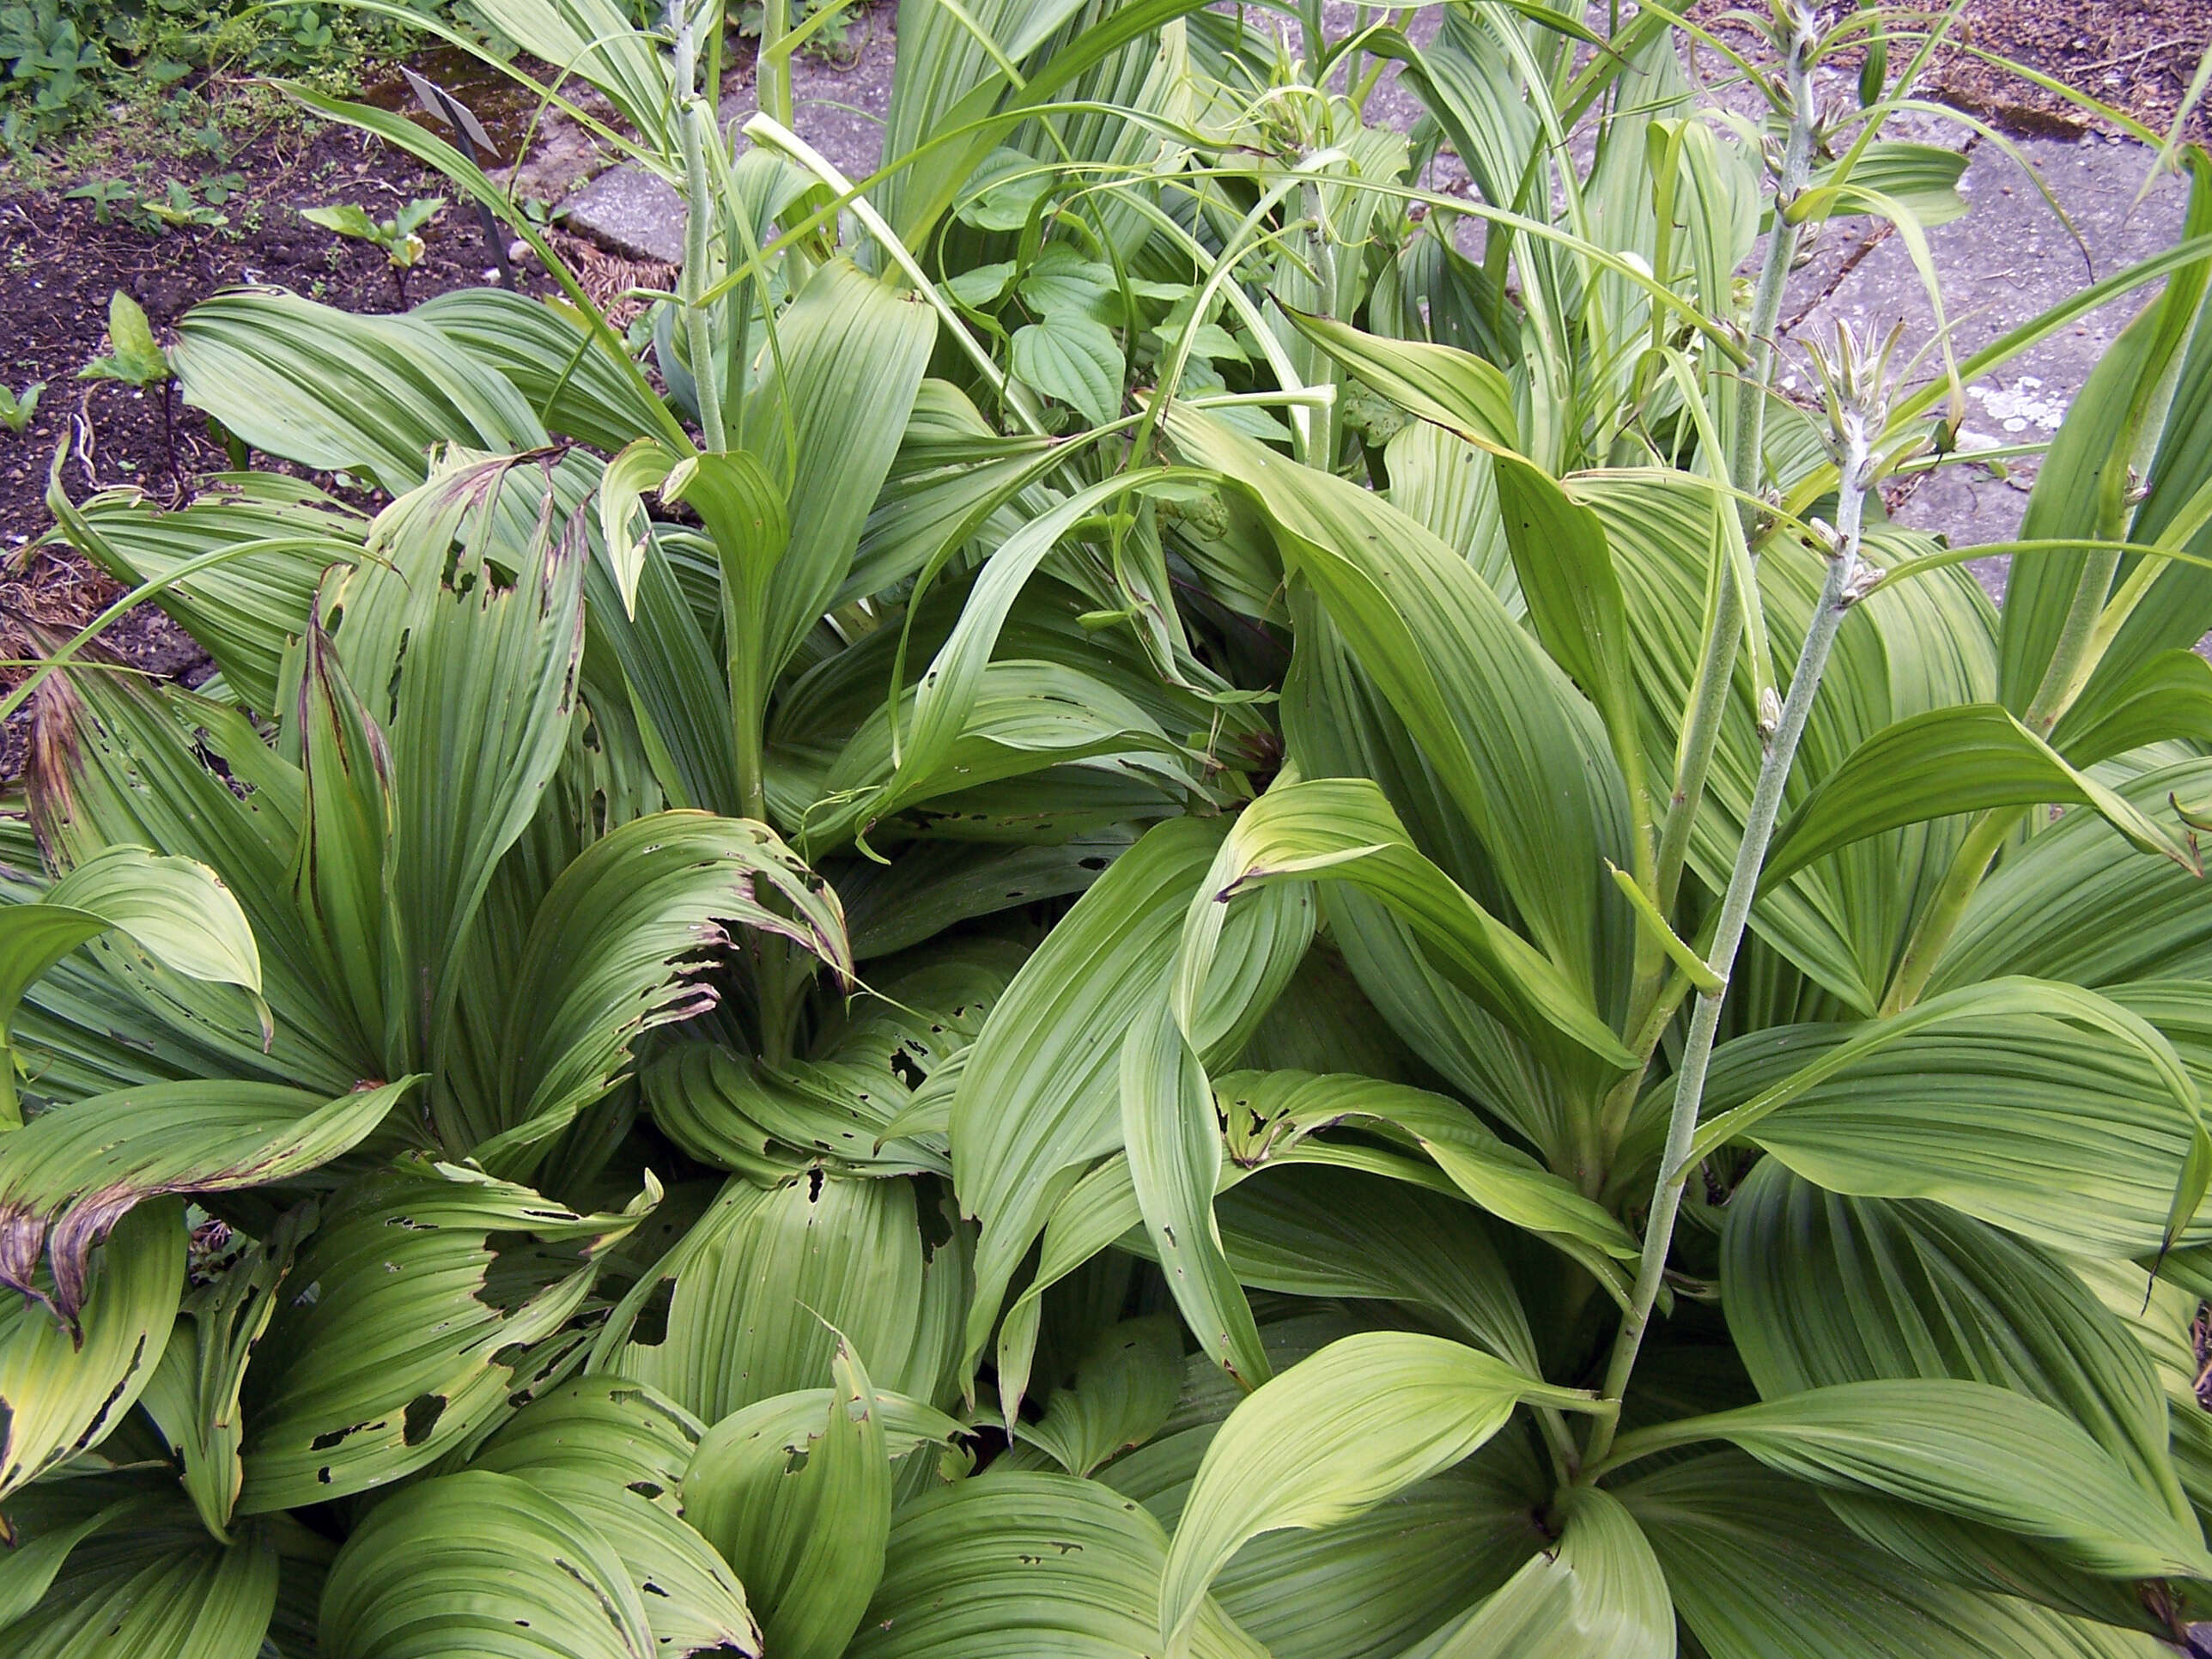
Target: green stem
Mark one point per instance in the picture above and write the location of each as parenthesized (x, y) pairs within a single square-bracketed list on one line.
[(1717, 665), (1932, 933), (696, 124), (775, 85), (1837, 595)]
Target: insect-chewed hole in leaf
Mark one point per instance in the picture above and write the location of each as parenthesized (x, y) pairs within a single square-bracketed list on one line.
[(521, 1267), (796, 1462), (650, 1328), (907, 1068), (814, 1185), (648, 1490), (330, 1439), (422, 1416)]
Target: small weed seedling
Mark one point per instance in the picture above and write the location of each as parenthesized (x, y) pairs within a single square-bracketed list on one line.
[(17, 408), (400, 236), (135, 358)]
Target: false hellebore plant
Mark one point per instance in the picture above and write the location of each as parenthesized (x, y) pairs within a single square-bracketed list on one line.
[(1123, 901)]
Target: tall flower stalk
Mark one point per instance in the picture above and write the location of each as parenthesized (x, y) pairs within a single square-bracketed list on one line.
[(1855, 386)]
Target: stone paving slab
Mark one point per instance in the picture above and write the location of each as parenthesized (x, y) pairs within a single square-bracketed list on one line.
[(838, 109)]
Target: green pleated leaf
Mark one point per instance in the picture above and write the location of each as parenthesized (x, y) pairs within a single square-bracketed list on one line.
[(1760, 1569), (804, 1524), (1598, 1590), (2169, 696), (148, 1583), (1109, 957), (1174, 1144), (1956, 1447), (1512, 743), (893, 1059), (68, 1176), (613, 951), (1123, 1390), (431, 1281), (1821, 1289), (570, 374), (1441, 384), (1268, 1110), (1362, 1418), (193, 1398), (614, 1452), (174, 909), (485, 1564), (849, 357), (2100, 1121), (64, 1391), (768, 1278), (1947, 760), (1028, 1565), (1344, 829), (263, 361)]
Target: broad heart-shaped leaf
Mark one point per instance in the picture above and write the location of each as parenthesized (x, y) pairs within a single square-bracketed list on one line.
[(1073, 358), (609, 957), (613, 1451), (1511, 742), (766, 1279), (1961, 1449), (849, 360), (1599, 1590), (1947, 760), (265, 363), (68, 1175), (1026, 1565), (174, 909), (1123, 1390), (193, 1398), (1332, 1436), (432, 1282), (1040, 1097), (1174, 1144), (146, 1583), (480, 1562), (1758, 1568), (1266, 1110), (63, 1394), (805, 1529), (1344, 829), (1820, 1289)]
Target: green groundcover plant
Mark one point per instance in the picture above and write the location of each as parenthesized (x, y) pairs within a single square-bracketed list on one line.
[(1157, 895)]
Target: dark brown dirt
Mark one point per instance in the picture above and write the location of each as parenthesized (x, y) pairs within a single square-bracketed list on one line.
[(2136, 56)]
